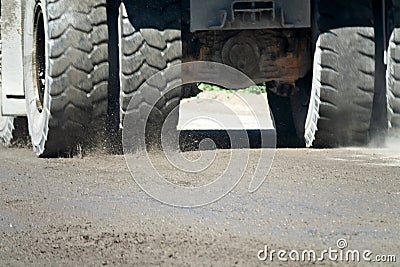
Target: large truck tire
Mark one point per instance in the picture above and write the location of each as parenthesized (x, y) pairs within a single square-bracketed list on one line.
[(344, 68), (341, 100), (61, 70), (6, 129), (99, 57), (393, 80), (146, 49)]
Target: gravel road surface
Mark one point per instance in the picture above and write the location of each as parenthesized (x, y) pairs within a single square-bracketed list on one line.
[(89, 211)]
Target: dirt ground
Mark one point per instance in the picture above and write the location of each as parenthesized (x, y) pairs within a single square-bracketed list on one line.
[(89, 211)]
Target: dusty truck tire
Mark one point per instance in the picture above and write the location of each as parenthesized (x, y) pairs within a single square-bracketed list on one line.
[(344, 82), (6, 129), (393, 80), (144, 51), (58, 70), (99, 57)]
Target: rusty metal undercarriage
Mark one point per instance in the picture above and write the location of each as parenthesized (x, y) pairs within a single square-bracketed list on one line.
[(277, 56)]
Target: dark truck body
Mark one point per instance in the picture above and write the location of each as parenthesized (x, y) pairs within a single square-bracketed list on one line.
[(267, 40), (242, 15)]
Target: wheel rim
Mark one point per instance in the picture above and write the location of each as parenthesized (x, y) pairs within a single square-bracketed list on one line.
[(36, 69), (39, 58)]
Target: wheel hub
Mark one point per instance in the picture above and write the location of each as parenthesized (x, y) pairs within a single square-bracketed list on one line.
[(242, 53)]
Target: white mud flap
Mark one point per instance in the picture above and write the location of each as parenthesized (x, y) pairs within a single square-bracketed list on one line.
[(12, 89)]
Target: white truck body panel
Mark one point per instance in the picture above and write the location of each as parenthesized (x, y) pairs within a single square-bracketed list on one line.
[(12, 89)]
